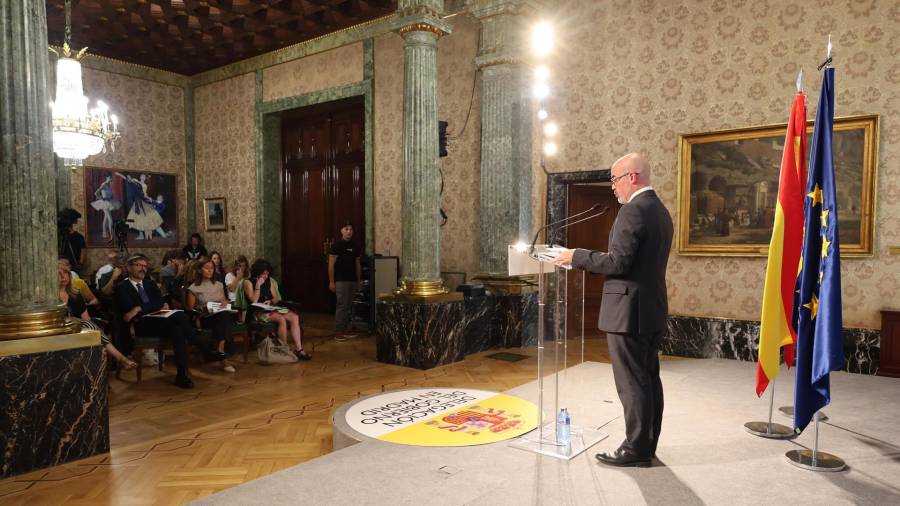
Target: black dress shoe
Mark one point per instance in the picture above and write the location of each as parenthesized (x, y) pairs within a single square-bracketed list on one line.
[(216, 356), (622, 458), (183, 382)]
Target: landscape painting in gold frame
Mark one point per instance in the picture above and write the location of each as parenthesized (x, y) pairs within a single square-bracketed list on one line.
[(728, 187)]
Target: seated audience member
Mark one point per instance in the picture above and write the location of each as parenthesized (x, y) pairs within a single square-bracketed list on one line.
[(194, 248), (78, 284), (219, 271), (107, 282), (106, 268), (173, 266), (77, 307), (203, 290), (138, 297), (261, 287), (233, 279)]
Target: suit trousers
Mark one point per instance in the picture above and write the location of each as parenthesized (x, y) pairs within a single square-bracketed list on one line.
[(635, 361), (176, 327)]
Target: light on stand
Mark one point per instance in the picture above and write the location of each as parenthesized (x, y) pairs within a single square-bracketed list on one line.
[(541, 91), (542, 114), (550, 129)]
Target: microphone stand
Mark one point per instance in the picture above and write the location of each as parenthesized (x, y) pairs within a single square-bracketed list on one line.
[(557, 222), (567, 225)]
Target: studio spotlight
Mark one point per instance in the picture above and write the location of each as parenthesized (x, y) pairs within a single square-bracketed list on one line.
[(542, 39), (550, 149), (550, 129), (542, 114), (541, 73), (541, 91)]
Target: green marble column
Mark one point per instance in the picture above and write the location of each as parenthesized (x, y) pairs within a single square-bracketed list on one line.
[(29, 297), (420, 261), (505, 132)]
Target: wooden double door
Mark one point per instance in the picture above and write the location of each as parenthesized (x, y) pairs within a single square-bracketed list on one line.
[(323, 181), (593, 235)]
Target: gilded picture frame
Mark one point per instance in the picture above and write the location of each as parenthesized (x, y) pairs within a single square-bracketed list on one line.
[(215, 214), (728, 186)]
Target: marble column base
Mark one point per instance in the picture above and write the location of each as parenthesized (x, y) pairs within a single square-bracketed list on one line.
[(500, 321), (55, 402), (420, 334), (697, 337)]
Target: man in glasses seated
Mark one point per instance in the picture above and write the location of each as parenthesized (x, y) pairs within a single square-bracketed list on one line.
[(138, 298)]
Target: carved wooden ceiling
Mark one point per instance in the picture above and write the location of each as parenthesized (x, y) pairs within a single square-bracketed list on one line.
[(192, 36)]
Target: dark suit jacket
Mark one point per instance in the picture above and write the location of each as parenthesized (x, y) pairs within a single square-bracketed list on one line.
[(127, 297), (634, 294)]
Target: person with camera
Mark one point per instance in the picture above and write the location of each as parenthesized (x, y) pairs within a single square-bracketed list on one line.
[(71, 243)]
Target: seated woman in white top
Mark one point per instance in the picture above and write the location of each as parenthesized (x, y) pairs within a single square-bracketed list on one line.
[(239, 271), (204, 289)]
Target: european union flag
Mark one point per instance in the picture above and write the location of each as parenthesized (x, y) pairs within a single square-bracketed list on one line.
[(820, 347)]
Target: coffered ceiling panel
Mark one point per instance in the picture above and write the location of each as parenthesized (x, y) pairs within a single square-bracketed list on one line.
[(192, 36)]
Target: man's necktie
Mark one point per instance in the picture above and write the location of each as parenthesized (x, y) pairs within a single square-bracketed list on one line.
[(142, 293)]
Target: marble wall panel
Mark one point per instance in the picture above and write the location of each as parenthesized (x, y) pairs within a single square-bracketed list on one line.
[(694, 337)]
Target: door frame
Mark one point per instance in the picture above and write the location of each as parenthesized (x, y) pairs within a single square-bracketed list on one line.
[(557, 198), (268, 157)]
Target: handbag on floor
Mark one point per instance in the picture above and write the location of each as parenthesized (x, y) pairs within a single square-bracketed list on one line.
[(271, 351)]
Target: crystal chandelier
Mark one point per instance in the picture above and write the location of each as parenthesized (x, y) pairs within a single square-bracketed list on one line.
[(78, 132)]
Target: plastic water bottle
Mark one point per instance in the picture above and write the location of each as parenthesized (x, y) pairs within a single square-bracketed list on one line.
[(563, 427)]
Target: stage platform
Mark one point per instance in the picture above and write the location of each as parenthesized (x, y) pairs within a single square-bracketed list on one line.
[(704, 457)]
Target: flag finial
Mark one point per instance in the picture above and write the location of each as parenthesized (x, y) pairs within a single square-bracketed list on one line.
[(800, 81), (828, 57)]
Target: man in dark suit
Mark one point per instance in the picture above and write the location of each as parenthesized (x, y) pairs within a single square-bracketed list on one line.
[(138, 297), (634, 306)]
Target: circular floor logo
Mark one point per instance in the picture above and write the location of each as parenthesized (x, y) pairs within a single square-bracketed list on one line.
[(442, 417)]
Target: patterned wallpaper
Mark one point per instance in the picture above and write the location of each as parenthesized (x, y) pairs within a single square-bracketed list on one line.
[(462, 166), (152, 124), (225, 161), (658, 69), (388, 121), (321, 71)]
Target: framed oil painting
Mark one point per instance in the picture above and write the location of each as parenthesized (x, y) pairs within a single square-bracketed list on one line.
[(728, 187), (135, 206), (215, 214)]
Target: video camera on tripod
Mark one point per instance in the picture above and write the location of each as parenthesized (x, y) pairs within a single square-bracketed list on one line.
[(120, 230)]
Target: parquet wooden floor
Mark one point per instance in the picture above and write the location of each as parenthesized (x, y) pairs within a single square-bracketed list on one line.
[(170, 446)]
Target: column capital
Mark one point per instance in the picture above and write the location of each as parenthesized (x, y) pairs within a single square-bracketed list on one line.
[(485, 9), (422, 23), (503, 31)]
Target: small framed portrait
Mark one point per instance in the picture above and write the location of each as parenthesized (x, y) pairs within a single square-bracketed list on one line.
[(215, 214)]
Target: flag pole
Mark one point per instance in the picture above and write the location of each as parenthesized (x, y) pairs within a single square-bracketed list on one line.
[(770, 430), (814, 460)]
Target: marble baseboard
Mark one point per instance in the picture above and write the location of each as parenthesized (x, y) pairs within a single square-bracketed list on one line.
[(55, 408), (697, 337)]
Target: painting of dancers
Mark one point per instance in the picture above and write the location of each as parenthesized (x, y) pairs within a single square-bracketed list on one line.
[(137, 206)]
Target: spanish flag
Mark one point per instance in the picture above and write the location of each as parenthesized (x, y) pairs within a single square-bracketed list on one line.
[(776, 329)]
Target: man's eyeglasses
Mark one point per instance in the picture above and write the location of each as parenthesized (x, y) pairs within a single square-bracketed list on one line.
[(141, 265), (613, 179)]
